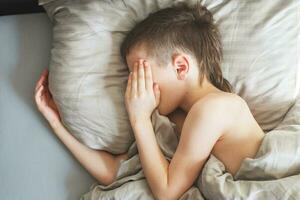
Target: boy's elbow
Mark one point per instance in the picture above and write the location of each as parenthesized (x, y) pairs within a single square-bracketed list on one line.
[(110, 176), (106, 180), (166, 195), (161, 197)]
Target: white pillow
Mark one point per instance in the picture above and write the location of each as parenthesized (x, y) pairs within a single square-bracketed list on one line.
[(88, 79), (261, 54)]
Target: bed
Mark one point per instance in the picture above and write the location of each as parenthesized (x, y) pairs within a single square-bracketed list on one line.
[(34, 164)]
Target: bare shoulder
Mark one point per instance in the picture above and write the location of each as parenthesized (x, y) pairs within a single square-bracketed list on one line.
[(222, 98), (221, 101), (222, 108)]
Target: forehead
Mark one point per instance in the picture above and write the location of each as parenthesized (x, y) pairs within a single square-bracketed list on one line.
[(136, 53)]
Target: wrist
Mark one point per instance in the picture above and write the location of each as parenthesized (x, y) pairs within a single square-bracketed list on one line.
[(137, 121), (55, 124)]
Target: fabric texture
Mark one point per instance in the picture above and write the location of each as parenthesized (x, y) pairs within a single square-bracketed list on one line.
[(88, 80), (274, 173)]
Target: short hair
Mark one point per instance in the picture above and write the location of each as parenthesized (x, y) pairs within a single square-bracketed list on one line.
[(181, 27)]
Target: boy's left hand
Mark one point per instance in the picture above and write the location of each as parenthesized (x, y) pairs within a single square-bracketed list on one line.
[(44, 100), (141, 96)]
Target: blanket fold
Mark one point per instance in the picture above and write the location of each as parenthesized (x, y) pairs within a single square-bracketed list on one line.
[(274, 173)]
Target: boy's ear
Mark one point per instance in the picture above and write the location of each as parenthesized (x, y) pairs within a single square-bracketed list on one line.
[(181, 65)]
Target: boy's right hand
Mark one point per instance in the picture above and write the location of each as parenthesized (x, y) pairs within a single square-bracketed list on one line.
[(44, 100)]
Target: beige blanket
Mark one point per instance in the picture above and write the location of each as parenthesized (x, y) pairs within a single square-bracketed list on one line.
[(273, 174)]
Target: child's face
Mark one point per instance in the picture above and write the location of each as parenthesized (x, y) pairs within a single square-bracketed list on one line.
[(171, 89)]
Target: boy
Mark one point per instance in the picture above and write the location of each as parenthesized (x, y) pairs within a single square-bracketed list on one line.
[(174, 56), (179, 50)]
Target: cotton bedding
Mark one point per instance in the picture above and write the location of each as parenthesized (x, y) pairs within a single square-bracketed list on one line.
[(261, 60), (274, 173), (88, 79)]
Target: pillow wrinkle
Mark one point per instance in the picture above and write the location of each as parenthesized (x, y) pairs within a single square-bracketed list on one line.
[(261, 56)]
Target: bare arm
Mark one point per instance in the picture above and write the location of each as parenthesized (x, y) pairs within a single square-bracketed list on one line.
[(100, 164), (199, 134)]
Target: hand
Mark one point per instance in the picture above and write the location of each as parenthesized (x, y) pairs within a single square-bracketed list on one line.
[(44, 101), (142, 96)]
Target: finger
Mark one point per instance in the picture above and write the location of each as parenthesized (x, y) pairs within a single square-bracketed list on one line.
[(141, 76), (157, 93), (46, 95), (37, 90), (41, 79), (44, 91), (39, 83), (45, 71), (46, 74), (134, 79), (128, 88), (148, 76), (47, 88), (38, 95)]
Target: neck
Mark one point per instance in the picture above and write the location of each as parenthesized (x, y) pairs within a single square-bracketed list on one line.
[(197, 92)]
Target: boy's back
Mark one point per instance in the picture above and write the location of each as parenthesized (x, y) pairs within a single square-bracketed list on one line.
[(241, 135)]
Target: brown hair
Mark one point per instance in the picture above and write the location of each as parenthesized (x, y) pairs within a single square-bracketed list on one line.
[(190, 29)]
